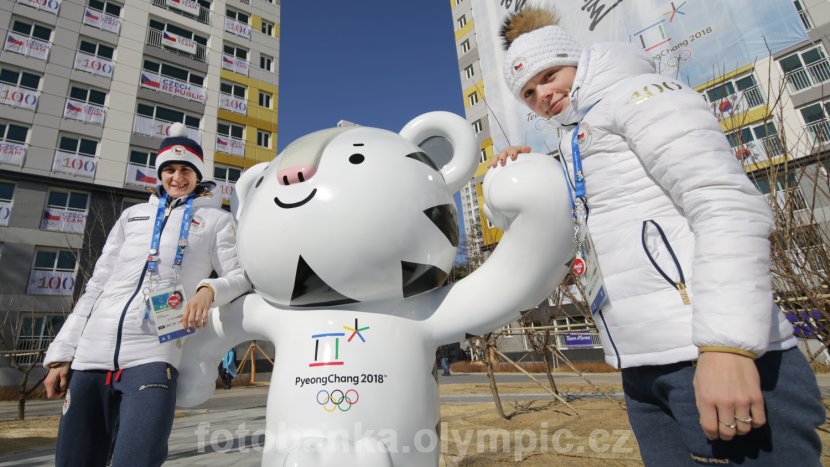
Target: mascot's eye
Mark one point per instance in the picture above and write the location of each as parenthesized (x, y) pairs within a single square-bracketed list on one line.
[(259, 181), (356, 158)]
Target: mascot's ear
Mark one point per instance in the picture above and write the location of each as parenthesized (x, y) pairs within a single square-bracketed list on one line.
[(246, 182), (459, 167)]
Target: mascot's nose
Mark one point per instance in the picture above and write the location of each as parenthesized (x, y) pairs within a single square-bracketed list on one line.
[(296, 174)]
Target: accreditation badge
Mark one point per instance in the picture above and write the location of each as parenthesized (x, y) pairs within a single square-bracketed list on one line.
[(166, 310), (586, 266)]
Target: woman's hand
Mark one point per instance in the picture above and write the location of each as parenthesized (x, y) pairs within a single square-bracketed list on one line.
[(512, 152), (57, 381), (197, 310)]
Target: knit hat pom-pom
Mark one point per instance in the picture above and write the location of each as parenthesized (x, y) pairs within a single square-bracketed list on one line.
[(177, 129), (527, 20)]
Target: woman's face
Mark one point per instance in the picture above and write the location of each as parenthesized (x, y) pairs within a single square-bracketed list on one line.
[(178, 179), (548, 92)]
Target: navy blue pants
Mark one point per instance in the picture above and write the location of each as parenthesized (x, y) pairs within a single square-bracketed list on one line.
[(128, 414), (666, 422)]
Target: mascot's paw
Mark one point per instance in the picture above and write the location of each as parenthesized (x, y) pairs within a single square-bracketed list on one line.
[(367, 452), (195, 385), (533, 181)]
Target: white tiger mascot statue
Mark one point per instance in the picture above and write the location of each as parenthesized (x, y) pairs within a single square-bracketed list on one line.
[(348, 237)]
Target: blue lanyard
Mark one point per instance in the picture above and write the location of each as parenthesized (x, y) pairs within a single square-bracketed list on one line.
[(184, 231), (579, 179)]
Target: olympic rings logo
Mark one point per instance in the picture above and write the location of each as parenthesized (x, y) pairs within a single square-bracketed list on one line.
[(337, 399), (680, 59)]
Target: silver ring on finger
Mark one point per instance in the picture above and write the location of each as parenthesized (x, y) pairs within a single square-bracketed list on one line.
[(743, 420), (731, 426)]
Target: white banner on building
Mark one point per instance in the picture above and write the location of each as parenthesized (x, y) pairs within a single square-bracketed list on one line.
[(63, 220), (16, 96), (52, 6), (235, 64), (92, 64), (687, 40), (232, 146), (226, 188), (238, 28), (5, 212), (27, 46), (178, 42), (173, 86), (159, 128), (74, 164), (188, 6), (138, 175), (12, 153), (51, 283), (233, 103), (83, 111), (101, 20)]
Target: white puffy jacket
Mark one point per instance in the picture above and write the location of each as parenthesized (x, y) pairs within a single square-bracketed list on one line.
[(655, 158), (105, 331)]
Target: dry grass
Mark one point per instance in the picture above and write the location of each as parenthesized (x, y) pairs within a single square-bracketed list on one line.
[(24, 435)]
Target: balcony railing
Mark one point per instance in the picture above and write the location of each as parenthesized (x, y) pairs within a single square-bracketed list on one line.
[(230, 145), (84, 111), (28, 46), (93, 64), (155, 38), (805, 18), (99, 19), (232, 103), (159, 128), (237, 27), (17, 96), (235, 64), (740, 102), (63, 220), (70, 163), (51, 282), (814, 74), (12, 153), (819, 131), (173, 86), (187, 8)]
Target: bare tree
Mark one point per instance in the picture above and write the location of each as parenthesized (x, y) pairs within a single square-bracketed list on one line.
[(23, 350)]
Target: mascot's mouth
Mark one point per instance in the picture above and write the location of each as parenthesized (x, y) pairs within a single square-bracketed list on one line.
[(298, 203)]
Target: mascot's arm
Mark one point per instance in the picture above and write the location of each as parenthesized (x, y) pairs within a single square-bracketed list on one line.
[(529, 200), (237, 322)]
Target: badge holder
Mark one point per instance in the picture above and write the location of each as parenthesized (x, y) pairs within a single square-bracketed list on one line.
[(167, 308)]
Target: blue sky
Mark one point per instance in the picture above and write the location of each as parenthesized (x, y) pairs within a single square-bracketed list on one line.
[(375, 63)]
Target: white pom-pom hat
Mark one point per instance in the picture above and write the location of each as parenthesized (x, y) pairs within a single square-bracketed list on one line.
[(535, 51), (177, 148)]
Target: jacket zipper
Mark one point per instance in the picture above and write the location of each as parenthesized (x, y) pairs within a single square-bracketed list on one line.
[(135, 292), (680, 284)]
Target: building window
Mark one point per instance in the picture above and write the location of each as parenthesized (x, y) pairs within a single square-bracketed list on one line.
[(805, 68), (266, 62), (172, 71), (473, 98), (462, 21), (237, 15), (738, 94), (264, 99), (235, 51), (87, 147), (143, 158), (478, 126), (34, 31), (263, 139), (96, 49), (20, 78), (233, 89), (70, 200), (107, 7), (179, 31), (230, 130), (34, 334), (6, 192), (14, 133), (226, 173), (756, 143), (88, 95), (469, 72), (804, 15), (267, 28), (55, 260), (166, 114), (465, 46), (482, 156)]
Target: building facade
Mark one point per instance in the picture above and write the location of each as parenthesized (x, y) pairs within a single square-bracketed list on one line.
[(88, 89)]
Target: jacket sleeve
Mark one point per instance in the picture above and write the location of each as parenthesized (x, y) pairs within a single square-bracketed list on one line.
[(681, 146), (62, 349), (231, 282)]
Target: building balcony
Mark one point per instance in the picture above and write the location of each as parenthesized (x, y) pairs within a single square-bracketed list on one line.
[(812, 75), (19, 97), (237, 27), (187, 8), (63, 220), (173, 86), (159, 128), (70, 163), (235, 64), (51, 282), (738, 103), (93, 64), (99, 19), (233, 103), (754, 152), (232, 146), (819, 132), (27, 46), (12, 153), (177, 44)]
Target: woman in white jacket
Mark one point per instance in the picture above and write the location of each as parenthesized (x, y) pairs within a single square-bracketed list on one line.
[(681, 238), (123, 367)]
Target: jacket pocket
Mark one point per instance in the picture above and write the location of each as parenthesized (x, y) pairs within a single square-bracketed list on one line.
[(674, 276)]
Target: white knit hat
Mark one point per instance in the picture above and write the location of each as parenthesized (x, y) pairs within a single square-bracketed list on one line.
[(535, 51), (179, 149)]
